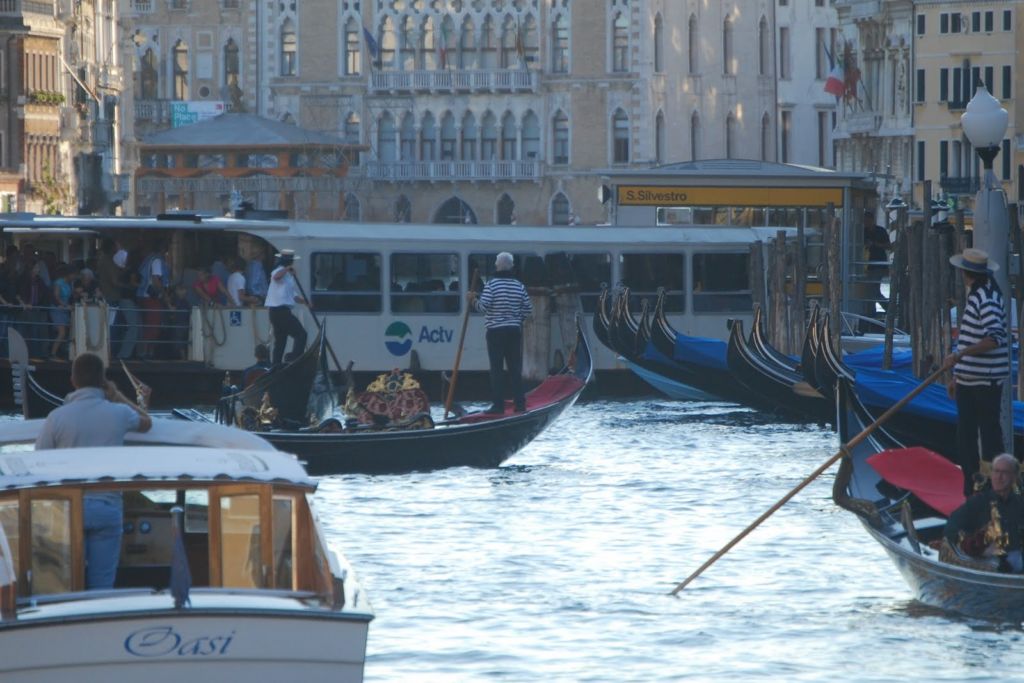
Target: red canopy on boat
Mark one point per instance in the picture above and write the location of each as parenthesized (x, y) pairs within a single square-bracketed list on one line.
[(926, 474)]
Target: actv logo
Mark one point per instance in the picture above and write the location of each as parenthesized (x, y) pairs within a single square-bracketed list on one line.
[(398, 338)]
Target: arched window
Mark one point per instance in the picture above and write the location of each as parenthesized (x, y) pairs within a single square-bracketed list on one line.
[(506, 213), (181, 67), (620, 43), (693, 43), (468, 57), (428, 47), (455, 211), (488, 44), (560, 210), (449, 137), (766, 138), (530, 38), (231, 63), (531, 137), (150, 76), (560, 138), (730, 136), (659, 138), (403, 210), (694, 137), (408, 150), (447, 44), (509, 138), (469, 135), (728, 65), (508, 43), (560, 45), (489, 138), (353, 48), (388, 61), (659, 37), (289, 44), (386, 138), (764, 53), (620, 137), (428, 138), (407, 45), (352, 211)]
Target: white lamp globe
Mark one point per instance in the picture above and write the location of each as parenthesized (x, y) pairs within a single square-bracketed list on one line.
[(984, 121)]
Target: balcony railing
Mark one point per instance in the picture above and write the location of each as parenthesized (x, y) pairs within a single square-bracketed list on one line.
[(155, 111), (960, 185), (409, 171), (10, 8), (497, 80)]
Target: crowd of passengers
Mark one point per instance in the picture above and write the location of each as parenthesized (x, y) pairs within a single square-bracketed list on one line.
[(149, 309)]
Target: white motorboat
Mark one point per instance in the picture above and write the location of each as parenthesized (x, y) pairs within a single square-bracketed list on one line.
[(224, 572)]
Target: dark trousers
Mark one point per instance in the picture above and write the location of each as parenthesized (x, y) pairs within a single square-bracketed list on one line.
[(977, 409), (286, 325), (505, 349)]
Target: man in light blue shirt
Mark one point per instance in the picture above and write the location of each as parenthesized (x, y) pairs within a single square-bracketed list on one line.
[(95, 414)]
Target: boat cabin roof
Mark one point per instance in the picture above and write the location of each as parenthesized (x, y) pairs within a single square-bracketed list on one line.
[(165, 432), (158, 464)]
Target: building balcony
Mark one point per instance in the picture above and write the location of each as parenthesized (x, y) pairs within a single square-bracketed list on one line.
[(861, 123), (433, 171), (153, 111), (960, 185), (141, 6), (489, 80)]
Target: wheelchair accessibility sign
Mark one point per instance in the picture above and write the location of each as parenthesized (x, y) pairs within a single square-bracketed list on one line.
[(235, 318)]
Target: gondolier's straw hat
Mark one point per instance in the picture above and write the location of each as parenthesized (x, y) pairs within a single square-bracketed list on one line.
[(288, 254), (974, 261)]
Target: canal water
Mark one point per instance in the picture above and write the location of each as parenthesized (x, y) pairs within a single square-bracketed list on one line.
[(557, 566)]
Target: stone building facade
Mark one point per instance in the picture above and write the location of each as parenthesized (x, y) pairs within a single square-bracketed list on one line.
[(487, 111), (60, 87)]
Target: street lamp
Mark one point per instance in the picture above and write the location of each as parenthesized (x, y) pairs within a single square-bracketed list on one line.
[(984, 123)]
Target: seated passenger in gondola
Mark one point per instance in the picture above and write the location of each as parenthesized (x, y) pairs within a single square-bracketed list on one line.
[(988, 524)]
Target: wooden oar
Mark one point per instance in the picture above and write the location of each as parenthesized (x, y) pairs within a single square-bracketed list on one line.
[(327, 342), (458, 353), (844, 450)]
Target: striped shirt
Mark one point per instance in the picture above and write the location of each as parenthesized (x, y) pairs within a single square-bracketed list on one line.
[(983, 316), (504, 302)]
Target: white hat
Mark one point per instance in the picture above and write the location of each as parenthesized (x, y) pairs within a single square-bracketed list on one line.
[(288, 254)]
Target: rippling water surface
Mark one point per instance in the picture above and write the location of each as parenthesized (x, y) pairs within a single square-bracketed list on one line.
[(557, 566)]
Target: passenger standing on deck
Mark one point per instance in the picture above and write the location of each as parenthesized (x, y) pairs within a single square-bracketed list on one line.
[(505, 304), (96, 414), (282, 295), (154, 275), (980, 365), (256, 275)]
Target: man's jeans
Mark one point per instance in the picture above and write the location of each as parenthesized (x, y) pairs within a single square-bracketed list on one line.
[(104, 522)]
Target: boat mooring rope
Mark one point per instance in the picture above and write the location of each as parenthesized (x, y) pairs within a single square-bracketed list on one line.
[(210, 328)]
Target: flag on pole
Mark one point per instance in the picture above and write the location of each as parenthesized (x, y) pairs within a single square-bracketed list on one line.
[(835, 83), (371, 43), (851, 74)]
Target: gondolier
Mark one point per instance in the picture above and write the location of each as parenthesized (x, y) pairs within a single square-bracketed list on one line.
[(505, 304), (980, 365), (282, 295)]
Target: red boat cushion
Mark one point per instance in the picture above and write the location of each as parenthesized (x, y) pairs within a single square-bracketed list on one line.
[(926, 474), (551, 390)]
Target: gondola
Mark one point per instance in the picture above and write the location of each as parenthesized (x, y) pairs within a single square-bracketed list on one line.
[(35, 400), (476, 439), (809, 351), (758, 342), (782, 388), (906, 527), (287, 388)]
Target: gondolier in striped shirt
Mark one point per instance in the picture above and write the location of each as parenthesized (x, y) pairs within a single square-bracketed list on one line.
[(505, 304), (980, 365)]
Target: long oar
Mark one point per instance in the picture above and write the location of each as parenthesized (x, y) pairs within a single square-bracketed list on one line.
[(138, 385), (327, 342), (458, 352), (844, 450)]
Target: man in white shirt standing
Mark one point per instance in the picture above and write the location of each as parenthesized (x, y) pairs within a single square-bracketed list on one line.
[(282, 295), (237, 295)]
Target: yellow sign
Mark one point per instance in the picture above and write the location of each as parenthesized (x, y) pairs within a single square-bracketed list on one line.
[(654, 195)]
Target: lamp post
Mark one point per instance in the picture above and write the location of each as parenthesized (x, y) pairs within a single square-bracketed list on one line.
[(984, 123)]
